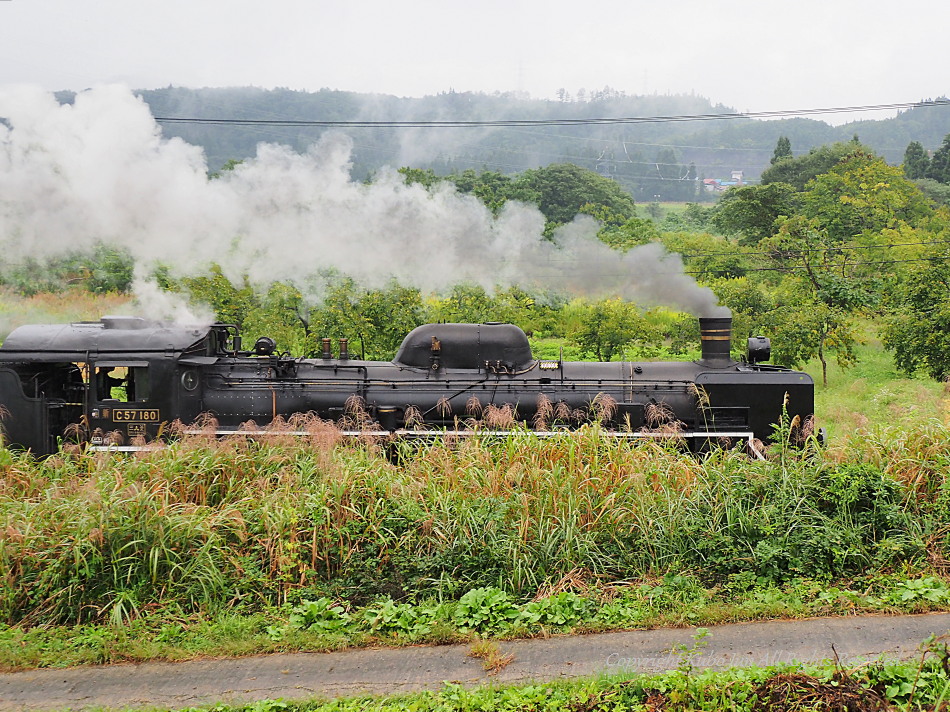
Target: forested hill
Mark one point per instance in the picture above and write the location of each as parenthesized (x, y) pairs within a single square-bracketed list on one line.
[(649, 159)]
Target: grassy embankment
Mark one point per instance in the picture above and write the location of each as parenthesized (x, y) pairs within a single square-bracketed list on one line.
[(235, 547)]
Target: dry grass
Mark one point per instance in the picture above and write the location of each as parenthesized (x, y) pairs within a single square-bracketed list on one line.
[(493, 660), (70, 305), (790, 692)]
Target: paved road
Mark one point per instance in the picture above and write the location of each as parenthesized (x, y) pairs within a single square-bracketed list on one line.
[(378, 671)]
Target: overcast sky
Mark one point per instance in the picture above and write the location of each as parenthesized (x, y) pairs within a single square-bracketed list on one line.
[(752, 55)]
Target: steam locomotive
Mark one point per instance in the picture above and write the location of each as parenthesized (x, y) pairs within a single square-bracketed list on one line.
[(121, 381)]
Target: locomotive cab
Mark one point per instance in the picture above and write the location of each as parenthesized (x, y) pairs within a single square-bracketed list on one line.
[(107, 381)]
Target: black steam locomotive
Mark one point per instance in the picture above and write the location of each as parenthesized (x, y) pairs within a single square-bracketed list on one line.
[(122, 381)]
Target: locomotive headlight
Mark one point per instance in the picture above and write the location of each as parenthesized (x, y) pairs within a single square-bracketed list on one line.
[(760, 349)]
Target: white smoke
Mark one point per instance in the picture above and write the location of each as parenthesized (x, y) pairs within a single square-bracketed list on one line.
[(162, 305), (99, 171)]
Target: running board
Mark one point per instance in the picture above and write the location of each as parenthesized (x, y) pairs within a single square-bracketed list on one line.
[(405, 433), (692, 435)]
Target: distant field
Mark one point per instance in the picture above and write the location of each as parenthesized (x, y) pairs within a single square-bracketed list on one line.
[(56, 308), (872, 394)]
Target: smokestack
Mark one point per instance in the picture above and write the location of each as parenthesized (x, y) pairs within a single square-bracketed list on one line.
[(715, 334)]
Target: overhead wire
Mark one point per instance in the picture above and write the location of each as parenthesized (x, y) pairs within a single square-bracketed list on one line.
[(580, 121), (258, 125)]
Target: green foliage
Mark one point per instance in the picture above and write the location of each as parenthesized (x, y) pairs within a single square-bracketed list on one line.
[(633, 232), (707, 257), (231, 303), (425, 177), (495, 189), (803, 328), (672, 599), (917, 329), (283, 314), (783, 150), (862, 194), (101, 270), (751, 211), (940, 163), (916, 161), (605, 328), (928, 588), (841, 520), (203, 527), (801, 169), (406, 619), (694, 218), (320, 614), (561, 191), (562, 610), (375, 320), (467, 303), (939, 193), (485, 610), (564, 188)]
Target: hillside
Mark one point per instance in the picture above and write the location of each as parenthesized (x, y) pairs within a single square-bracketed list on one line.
[(649, 159)]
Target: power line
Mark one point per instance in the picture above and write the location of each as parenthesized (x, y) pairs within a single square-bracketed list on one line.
[(552, 122)]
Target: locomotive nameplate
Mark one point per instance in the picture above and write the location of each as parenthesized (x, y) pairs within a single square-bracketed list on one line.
[(549, 365), (135, 415)]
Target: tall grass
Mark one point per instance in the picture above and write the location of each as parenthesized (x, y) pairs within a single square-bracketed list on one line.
[(237, 524)]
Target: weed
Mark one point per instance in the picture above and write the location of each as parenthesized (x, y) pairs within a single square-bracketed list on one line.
[(485, 610), (388, 616), (560, 611), (493, 660), (320, 615)]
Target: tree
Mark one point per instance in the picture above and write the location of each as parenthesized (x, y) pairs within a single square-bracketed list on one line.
[(424, 176), (635, 231), (751, 211), (284, 315), (804, 327), (940, 164), (494, 189), (602, 329), (375, 320), (917, 329), (817, 297), (801, 169), (938, 193), (563, 189), (783, 150), (706, 256), (748, 302), (916, 161), (863, 194), (231, 304)]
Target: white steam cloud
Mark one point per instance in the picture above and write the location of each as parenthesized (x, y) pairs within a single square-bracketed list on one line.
[(99, 171)]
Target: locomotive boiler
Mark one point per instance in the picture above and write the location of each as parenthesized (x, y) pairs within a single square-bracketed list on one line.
[(124, 380)]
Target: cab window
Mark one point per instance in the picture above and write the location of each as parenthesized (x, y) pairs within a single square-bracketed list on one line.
[(128, 384)]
